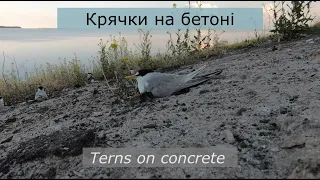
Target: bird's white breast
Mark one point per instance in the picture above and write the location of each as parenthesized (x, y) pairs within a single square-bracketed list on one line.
[(142, 84), (40, 94)]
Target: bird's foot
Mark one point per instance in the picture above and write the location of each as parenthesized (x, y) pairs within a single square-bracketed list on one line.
[(147, 96)]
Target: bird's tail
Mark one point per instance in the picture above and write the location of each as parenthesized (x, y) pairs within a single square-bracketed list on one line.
[(216, 73), (194, 73), (193, 83), (199, 80)]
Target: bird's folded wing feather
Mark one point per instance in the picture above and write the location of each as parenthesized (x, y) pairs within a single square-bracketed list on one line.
[(162, 84), (199, 80), (40, 94), (215, 73), (193, 83)]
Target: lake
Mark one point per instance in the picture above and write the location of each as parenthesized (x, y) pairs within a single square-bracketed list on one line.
[(32, 47)]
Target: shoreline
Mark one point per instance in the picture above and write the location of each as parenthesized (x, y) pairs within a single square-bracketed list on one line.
[(17, 27)]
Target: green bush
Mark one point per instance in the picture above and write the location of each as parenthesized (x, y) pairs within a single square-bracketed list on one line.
[(292, 22)]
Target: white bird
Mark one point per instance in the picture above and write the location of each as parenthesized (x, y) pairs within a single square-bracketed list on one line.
[(90, 78), (41, 94), (1, 102), (160, 85)]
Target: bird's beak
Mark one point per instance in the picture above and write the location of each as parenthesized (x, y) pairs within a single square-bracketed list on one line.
[(131, 77)]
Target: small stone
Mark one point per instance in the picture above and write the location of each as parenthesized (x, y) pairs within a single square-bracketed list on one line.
[(264, 133), (240, 111), (163, 106), (11, 119), (305, 121), (283, 110), (274, 48), (244, 144), (254, 162), (294, 98), (50, 173), (215, 90), (264, 120), (97, 114), (203, 91), (7, 140), (43, 109), (275, 149), (294, 142), (5, 170), (299, 56), (229, 136), (150, 126), (273, 126), (20, 173), (95, 91), (101, 135), (309, 41)]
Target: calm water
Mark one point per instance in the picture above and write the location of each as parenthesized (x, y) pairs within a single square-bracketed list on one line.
[(32, 47)]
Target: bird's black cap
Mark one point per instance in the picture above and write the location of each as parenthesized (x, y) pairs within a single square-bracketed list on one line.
[(143, 72), (40, 87), (0, 97)]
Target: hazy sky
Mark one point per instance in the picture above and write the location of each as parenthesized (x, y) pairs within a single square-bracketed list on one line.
[(34, 14)]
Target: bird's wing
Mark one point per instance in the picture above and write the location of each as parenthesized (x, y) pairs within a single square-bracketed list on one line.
[(194, 73), (215, 73), (165, 84), (162, 84), (41, 93), (199, 80), (193, 83)]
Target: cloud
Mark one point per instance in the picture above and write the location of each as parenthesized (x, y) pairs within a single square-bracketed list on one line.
[(204, 5)]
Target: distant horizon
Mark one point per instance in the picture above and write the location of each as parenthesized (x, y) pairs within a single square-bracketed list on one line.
[(32, 45), (123, 31)]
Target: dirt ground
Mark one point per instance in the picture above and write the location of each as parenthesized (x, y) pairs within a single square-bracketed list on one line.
[(265, 103)]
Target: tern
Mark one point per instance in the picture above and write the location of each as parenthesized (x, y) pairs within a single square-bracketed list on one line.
[(40, 94), (90, 78), (159, 85)]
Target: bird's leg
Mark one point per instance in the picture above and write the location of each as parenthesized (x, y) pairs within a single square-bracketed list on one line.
[(146, 96), (143, 97)]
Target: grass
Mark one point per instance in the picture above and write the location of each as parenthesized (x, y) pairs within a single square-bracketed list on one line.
[(115, 60), (315, 28), (15, 89), (248, 42)]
